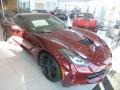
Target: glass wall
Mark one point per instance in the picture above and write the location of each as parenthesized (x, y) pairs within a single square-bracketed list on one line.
[(23, 6)]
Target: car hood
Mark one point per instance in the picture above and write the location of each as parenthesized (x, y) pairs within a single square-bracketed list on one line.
[(83, 42)]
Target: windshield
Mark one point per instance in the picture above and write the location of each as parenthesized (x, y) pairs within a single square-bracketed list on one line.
[(85, 15), (47, 23)]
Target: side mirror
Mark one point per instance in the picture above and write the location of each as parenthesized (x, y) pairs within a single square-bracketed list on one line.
[(69, 27), (16, 27)]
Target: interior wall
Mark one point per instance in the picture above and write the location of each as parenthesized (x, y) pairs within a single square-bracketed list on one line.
[(50, 4), (36, 4), (43, 4), (11, 5), (107, 13)]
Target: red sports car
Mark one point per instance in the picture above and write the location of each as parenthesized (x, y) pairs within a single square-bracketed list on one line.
[(75, 56), (86, 21)]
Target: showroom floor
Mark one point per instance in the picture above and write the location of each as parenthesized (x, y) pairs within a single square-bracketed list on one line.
[(19, 71)]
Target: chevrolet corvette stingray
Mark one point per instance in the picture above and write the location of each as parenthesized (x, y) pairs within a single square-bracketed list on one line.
[(74, 56), (86, 21)]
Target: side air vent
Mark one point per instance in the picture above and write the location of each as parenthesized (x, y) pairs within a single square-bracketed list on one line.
[(94, 75), (86, 41)]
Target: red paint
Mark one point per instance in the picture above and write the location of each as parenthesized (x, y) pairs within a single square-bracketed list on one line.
[(89, 24), (98, 54)]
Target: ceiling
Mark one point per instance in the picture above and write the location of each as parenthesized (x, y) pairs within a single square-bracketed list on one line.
[(73, 0)]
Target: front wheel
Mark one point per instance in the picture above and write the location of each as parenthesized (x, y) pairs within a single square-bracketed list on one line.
[(50, 67)]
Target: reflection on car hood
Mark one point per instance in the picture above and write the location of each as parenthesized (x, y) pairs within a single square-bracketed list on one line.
[(84, 42)]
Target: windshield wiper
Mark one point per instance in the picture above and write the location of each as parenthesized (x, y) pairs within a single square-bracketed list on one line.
[(47, 31), (44, 31)]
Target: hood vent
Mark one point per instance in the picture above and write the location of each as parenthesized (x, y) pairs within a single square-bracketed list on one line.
[(86, 41)]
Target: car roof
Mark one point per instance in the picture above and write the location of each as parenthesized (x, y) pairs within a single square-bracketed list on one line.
[(38, 10), (24, 15), (83, 13)]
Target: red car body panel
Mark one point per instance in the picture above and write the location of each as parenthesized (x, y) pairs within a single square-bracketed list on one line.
[(98, 55), (86, 23), (89, 24)]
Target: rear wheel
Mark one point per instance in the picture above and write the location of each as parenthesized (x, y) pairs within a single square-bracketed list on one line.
[(5, 35), (106, 34), (50, 67)]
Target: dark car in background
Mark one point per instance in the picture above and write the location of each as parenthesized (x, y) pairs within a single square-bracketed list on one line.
[(39, 11), (75, 56), (24, 10), (73, 13), (86, 21), (61, 14)]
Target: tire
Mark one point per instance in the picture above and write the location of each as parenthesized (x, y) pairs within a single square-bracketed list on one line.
[(117, 41), (5, 35), (50, 67), (106, 34)]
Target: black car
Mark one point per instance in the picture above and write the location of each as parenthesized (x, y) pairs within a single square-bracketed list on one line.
[(61, 14), (39, 11)]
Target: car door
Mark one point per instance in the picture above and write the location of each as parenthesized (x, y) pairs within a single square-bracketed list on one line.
[(19, 31), (31, 37), (19, 28)]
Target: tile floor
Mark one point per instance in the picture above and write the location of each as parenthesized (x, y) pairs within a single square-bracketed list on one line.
[(19, 71)]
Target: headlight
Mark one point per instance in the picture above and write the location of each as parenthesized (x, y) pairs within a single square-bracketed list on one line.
[(73, 57)]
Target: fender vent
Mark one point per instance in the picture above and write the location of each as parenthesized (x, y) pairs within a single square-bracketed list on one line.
[(86, 41), (94, 75)]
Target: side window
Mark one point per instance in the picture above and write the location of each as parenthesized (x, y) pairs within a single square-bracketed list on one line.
[(15, 19), (19, 21)]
